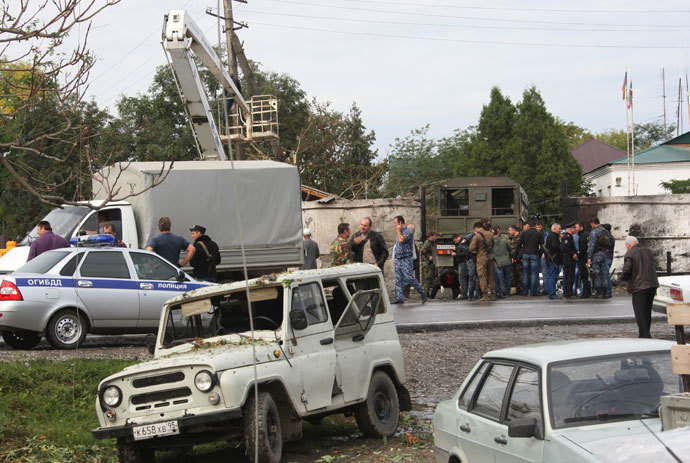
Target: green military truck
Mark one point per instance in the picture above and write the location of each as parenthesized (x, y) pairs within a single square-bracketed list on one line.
[(462, 201)]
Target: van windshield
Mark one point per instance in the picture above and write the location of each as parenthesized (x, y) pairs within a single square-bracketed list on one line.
[(224, 314), (62, 221)]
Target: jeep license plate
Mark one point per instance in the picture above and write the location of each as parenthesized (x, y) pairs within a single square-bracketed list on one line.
[(148, 431)]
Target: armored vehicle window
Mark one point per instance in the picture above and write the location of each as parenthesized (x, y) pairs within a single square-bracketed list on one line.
[(71, 266), (104, 264), (363, 284), (43, 263), (309, 298), (502, 201), (149, 267), (457, 203)]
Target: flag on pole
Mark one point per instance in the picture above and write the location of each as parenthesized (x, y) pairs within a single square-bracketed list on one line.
[(630, 96), (625, 84)]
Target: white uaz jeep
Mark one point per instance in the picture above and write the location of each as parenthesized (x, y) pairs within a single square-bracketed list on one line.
[(324, 343)]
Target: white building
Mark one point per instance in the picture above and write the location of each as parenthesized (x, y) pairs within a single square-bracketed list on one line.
[(661, 163)]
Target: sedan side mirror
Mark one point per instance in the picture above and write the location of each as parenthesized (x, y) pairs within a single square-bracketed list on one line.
[(525, 427), (298, 319), (180, 275)]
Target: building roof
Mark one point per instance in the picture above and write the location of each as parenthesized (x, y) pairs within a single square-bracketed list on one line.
[(593, 154), (658, 155)]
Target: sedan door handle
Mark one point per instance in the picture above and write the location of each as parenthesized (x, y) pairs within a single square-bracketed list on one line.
[(146, 285), (326, 341), (84, 283), (465, 428), (501, 440)]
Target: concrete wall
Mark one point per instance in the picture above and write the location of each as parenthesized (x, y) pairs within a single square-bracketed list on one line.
[(323, 220), (659, 222)]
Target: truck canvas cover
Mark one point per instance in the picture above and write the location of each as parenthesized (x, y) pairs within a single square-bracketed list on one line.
[(203, 193)]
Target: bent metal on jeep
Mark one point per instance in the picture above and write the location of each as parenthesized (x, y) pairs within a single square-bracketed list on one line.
[(324, 342)]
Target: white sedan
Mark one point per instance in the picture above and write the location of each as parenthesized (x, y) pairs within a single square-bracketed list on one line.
[(555, 402), (675, 288)]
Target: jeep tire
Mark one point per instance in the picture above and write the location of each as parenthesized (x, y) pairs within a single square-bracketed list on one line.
[(21, 339), (270, 438), (133, 453), (66, 329), (378, 416)]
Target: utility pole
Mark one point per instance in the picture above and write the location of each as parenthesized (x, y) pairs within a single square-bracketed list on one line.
[(663, 79), (679, 118)]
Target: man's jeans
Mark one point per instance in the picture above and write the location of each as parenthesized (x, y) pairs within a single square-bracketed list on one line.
[(609, 261), (551, 278), (499, 274), (530, 274)]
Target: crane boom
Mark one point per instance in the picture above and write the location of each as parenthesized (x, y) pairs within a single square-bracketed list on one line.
[(180, 36)]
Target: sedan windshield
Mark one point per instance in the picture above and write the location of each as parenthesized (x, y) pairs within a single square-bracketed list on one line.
[(62, 221), (621, 387), (43, 262)]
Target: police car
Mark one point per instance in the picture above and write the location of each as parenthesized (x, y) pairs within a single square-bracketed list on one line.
[(66, 293)]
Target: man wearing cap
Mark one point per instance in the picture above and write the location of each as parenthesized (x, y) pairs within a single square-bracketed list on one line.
[(311, 251), (205, 256), (569, 257), (639, 272)]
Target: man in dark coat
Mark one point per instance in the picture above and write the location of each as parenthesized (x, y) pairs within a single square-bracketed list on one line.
[(529, 247), (368, 246), (206, 255), (569, 257), (552, 251), (583, 271), (639, 272)]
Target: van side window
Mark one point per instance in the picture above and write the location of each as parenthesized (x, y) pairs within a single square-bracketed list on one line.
[(309, 298), (363, 284)]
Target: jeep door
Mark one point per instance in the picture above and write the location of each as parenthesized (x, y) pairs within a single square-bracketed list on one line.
[(352, 348), (314, 353)]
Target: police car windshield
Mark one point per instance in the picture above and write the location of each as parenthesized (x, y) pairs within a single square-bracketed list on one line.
[(44, 262), (62, 221)]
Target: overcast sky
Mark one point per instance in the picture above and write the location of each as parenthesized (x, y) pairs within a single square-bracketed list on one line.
[(409, 63)]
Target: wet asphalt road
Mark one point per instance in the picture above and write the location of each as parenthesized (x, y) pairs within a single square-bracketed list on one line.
[(513, 310)]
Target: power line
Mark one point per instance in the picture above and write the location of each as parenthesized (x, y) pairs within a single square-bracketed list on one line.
[(445, 16), (460, 26), (550, 10), (487, 42)]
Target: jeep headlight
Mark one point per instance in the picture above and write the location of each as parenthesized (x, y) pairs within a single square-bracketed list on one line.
[(112, 396), (204, 381)]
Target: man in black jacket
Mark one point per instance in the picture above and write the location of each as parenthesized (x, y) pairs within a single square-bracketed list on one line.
[(639, 273), (529, 247), (583, 271), (206, 255), (460, 255), (368, 246), (552, 247)]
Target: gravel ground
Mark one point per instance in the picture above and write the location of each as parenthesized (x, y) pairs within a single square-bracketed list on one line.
[(436, 363)]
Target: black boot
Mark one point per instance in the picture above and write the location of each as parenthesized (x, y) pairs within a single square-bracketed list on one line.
[(597, 293)]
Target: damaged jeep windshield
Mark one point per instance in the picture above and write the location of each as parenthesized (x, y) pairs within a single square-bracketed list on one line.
[(224, 314)]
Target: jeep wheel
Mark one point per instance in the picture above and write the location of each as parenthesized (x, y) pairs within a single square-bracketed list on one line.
[(21, 339), (66, 329), (378, 415), (132, 453), (270, 440)]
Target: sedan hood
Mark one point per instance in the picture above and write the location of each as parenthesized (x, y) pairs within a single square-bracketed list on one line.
[(601, 439)]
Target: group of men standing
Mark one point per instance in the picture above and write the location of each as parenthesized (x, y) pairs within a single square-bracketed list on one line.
[(369, 246)]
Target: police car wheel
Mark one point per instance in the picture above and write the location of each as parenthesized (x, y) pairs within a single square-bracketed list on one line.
[(66, 329), (21, 339)]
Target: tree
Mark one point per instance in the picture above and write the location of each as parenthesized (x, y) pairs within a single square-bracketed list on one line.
[(42, 80), (677, 187), (523, 142), (646, 135), (574, 134)]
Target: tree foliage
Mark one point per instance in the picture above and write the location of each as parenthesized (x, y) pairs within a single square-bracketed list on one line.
[(677, 187)]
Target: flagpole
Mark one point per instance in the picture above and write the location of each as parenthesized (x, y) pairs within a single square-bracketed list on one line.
[(627, 128), (632, 138)]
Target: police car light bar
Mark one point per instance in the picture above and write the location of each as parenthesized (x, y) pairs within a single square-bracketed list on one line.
[(92, 240)]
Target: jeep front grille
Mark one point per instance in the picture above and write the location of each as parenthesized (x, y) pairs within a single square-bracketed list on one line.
[(160, 396), (174, 377)]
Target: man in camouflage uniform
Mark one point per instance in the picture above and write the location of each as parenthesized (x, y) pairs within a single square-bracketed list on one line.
[(482, 244), (514, 233), (599, 241), (340, 248), (427, 258), (404, 268)]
